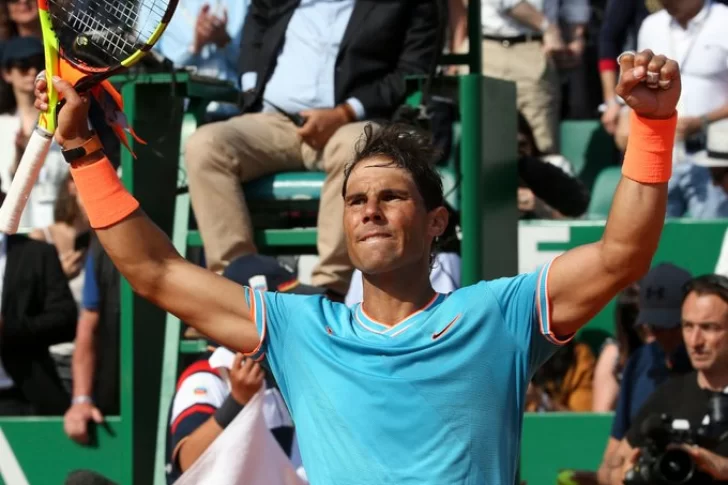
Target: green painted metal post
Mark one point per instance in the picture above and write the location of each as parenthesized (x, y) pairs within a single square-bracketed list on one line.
[(475, 36), (152, 179), (489, 174)]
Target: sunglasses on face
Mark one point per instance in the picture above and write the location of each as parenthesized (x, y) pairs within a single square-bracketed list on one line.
[(25, 65)]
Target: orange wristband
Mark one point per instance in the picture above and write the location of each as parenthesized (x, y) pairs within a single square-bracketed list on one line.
[(104, 197), (648, 158)]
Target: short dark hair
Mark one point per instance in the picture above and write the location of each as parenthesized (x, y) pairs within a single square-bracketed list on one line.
[(709, 284), (406, 148)]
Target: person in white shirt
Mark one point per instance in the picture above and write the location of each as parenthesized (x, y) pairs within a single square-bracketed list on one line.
[(524, 42), (693, 33), (21, 61)]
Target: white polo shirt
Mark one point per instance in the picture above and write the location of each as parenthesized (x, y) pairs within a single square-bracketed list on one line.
[(701, 49)]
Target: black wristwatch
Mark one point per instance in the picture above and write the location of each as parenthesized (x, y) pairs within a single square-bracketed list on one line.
[(92, 145)]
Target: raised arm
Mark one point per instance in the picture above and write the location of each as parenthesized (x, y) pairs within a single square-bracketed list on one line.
[(582, 281), (139, 249)]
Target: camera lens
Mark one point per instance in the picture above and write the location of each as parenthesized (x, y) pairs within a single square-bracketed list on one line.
[(676, 467)]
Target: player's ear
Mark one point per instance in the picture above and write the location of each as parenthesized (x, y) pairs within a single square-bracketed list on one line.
[(438, 220)]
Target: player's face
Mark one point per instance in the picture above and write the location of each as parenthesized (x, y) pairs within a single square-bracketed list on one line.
[(705, 331), (385, 220)]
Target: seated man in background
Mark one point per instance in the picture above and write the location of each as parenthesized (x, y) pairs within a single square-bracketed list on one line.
[(699, 186), (688, 397), (334, 63), (207, 37), (37, 310)]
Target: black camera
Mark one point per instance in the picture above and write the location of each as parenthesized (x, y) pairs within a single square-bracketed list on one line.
[(661, 462)]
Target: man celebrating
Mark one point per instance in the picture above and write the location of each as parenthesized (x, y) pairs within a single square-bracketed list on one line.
[(377, 390)]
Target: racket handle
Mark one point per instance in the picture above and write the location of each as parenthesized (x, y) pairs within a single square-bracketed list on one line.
[(24, 180)]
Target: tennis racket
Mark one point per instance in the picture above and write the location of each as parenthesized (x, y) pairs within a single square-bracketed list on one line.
[(97, 38)]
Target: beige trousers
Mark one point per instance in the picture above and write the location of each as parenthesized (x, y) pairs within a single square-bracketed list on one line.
[(538, 90), (219, 156)]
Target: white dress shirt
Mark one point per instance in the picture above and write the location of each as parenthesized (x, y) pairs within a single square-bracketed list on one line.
[(701, 49), (5, 381), (497, 22)]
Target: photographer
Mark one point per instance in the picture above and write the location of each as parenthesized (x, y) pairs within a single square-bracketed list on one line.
[(696, 400)]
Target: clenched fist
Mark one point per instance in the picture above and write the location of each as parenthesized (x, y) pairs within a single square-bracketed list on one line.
[(649, 84)]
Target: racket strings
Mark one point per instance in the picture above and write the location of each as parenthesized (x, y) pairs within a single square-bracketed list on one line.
[(102, 33)]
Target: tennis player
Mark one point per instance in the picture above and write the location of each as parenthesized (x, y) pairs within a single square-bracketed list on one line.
[(410, 386)]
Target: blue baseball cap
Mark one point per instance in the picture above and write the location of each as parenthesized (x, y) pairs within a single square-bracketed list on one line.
[(266, 273), (661, 294), (21, 49)]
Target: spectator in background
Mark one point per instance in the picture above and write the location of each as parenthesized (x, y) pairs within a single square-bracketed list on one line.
[(70, 235), (622, 21), (692, 33), (36, 311), (688, 396), (547, 188), (564, 382), (19, 18), (336, 63), (22, 60), (96, 355), (523, 41), (698, 187), (615, 352), (210, 393), (205, 34), (660, 299)]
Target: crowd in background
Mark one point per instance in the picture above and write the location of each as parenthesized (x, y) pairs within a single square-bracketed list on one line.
[(341, 64)]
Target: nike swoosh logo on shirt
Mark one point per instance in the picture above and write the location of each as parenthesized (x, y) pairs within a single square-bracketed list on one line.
[(439, 334)]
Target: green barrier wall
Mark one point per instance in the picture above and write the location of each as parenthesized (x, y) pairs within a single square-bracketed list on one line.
[(37, 451), (694, 245), (555, 441)]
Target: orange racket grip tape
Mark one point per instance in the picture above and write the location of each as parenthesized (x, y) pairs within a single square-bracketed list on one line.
[(106, 200), (648, 158)]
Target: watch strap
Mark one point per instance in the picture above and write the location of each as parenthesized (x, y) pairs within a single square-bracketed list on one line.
[(91, 145)]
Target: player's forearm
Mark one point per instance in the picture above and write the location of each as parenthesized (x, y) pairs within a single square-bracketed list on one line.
[(637, 215), (197, 442), (138, 248), (633, 228), (84, 354), (144, 255)]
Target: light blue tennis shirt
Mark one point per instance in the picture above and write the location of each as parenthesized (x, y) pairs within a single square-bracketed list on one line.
[(436, 399)]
